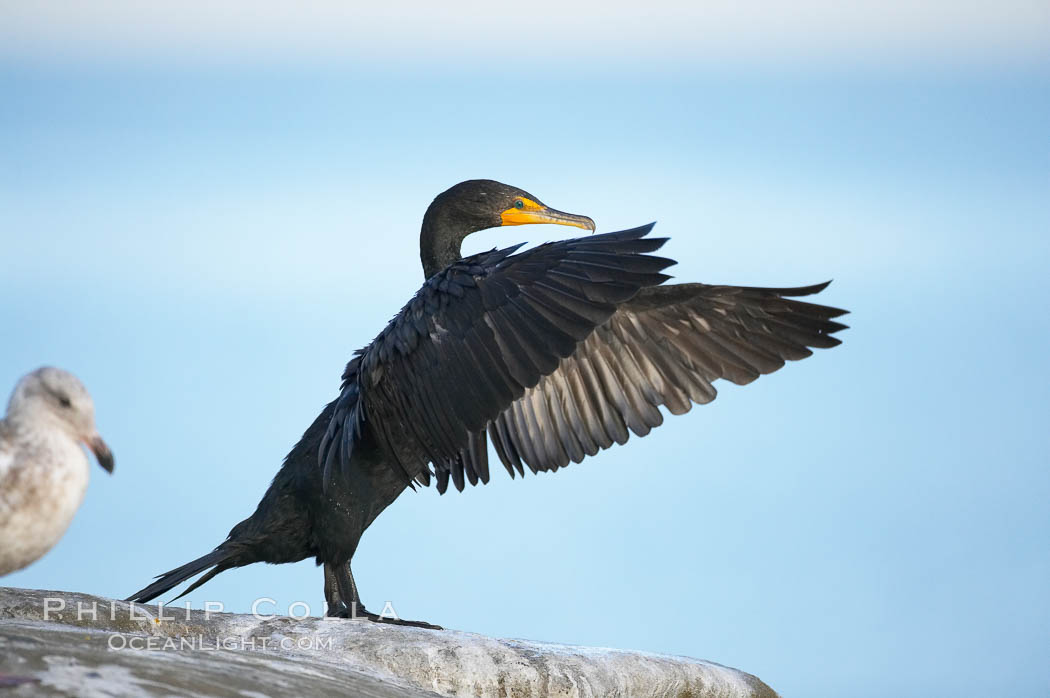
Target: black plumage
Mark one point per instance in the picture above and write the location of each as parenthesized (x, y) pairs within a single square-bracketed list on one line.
[(553, 353)]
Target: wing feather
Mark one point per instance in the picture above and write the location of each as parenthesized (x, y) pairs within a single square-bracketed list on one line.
[(473, 341), (664, 347), (556, 353)]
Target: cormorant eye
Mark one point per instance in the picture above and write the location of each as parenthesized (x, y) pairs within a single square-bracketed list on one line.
[(519, 204)]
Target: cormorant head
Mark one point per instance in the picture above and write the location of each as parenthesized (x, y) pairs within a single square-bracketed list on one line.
[(56, 399), (478, 204)]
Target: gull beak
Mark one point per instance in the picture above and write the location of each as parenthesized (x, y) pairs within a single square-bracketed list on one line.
[(102, 452)]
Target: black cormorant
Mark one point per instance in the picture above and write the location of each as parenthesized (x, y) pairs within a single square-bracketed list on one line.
[(553, 354)]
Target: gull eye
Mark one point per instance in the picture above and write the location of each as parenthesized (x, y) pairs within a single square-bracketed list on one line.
[(64, 401), (519, 204)]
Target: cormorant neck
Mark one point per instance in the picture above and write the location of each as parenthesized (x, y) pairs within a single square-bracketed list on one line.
[(440, 240)]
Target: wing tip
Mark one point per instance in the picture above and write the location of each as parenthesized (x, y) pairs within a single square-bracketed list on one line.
[(827, 311)]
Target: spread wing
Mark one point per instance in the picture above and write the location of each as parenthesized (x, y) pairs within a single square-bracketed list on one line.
[(475, 338), (665, 346)]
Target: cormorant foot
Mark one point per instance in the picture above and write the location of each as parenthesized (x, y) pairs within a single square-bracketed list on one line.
[(362, 613)]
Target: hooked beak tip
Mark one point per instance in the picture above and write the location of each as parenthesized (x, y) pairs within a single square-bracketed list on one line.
[(102, 453)]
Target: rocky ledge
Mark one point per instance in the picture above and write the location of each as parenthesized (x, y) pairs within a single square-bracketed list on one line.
[(76, 644)]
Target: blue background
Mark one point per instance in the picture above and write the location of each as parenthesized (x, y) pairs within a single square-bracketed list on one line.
[(206, 244)]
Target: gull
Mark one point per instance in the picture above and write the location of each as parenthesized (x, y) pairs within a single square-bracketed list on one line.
[(43, 468)]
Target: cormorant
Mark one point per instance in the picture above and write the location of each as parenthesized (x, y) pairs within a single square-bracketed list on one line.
[(553, 353)]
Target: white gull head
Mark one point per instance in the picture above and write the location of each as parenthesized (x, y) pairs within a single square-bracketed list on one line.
[(55, 399)]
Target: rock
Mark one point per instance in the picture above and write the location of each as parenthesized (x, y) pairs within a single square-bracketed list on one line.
[(118, 650)]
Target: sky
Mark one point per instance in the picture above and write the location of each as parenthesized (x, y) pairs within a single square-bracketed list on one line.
[(203, 212)]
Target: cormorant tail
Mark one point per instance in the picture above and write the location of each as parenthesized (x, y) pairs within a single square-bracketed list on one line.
[(219, 558)]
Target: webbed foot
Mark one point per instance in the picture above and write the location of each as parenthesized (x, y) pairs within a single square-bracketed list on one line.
[(357, 612)]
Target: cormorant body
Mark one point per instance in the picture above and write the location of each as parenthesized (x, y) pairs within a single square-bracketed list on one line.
[(554, 353)]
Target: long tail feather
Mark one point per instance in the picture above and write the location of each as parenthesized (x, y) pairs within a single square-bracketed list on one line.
[(218, 558)]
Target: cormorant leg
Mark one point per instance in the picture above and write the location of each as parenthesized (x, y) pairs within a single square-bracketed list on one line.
[(344, 601), (331, 593)]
